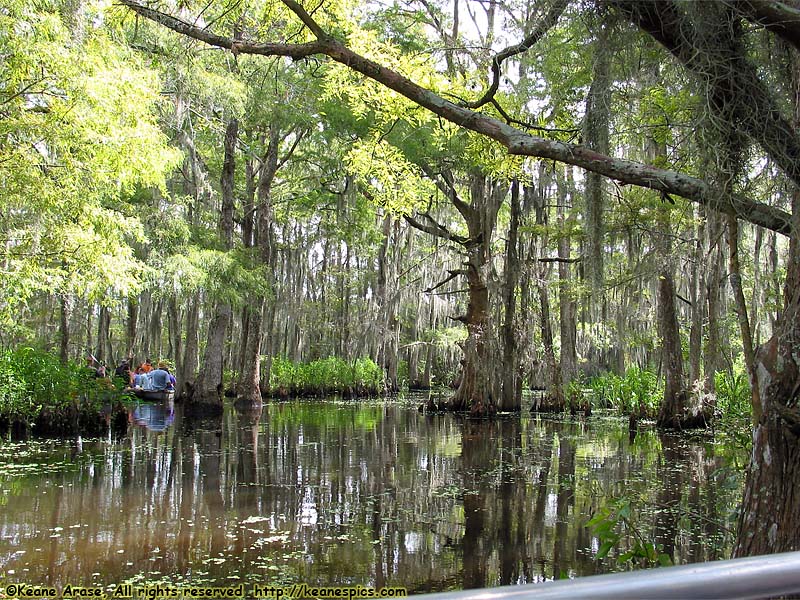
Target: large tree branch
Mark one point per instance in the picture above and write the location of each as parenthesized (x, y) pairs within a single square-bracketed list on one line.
[(436, 230), (734, 89), (781, 18), (516, 141)]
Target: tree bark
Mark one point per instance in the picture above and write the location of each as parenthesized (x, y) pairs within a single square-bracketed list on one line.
[(103, 350), (598, 115), (674, 412), (510, 399), (741, 312), (66, 301), (477, 378), (567, 304), (188, 370), (131, 326), (249, 385), (768, 522), (207, 393)]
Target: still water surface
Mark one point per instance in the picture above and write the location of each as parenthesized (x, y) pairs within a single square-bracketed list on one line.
[(332, 493)]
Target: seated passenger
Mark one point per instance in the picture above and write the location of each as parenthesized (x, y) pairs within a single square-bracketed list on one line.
[(161, 378), (123, 371), (147, 381), (139, 378)]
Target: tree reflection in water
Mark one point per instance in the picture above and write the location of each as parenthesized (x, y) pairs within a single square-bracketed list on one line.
[(341, 494)]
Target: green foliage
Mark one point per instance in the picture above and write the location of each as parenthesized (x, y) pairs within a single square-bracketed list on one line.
[(734, 398), (325, 376), (615, 525), (638, 389), (80, 134), (32, 380)]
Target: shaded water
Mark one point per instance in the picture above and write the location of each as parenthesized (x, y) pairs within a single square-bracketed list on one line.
[(330, 493)]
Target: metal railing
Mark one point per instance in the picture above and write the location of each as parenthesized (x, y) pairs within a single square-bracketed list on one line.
[(754, 577)]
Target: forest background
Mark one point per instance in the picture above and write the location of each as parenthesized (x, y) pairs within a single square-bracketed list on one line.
[(429, 193)]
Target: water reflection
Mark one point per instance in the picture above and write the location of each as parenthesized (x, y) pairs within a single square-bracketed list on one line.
[(155, 416), (328, 493)]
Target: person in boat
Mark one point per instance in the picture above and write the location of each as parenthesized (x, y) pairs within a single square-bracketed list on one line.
[(161, 378), (141, 380), (123, 371), (146, 366)]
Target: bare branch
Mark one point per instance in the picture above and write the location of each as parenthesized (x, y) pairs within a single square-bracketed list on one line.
[(546, 25), (556, 259), (436, 230), (446, 184), (295, 51), (452, 275)]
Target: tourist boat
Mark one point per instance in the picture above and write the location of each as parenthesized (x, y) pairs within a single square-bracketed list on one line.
[(155, 395)]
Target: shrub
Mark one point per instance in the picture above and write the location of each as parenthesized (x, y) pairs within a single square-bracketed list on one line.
[(639, 388), (33, 380), (733, 392), (325, 376)]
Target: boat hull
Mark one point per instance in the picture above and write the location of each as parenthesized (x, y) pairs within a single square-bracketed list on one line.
[(156, 395)]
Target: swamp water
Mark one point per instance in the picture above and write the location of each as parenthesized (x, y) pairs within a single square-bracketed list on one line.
[(376, 494)]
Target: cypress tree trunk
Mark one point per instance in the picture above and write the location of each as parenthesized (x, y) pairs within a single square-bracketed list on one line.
[(478, 366), (510, 399), (567, 304), (103, 350), (698, 302), (188, 371), (66, 302), (714, 280), (554, 400), (249, 385), (248, 389), (130, 332), (207, 394), (769, 520), (674, 412), (598, 116), (175, 331), (741, 311)]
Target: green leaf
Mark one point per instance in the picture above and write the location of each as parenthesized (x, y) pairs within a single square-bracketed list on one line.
[(605, 548)]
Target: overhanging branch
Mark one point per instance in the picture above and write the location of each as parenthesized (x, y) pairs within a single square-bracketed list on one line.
[(515, 141)]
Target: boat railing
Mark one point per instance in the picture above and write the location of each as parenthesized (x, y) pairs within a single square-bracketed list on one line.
[(753, 577)]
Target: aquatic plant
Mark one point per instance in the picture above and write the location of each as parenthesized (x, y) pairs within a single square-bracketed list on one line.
[(330, 375), (638, 390), (615, 527)]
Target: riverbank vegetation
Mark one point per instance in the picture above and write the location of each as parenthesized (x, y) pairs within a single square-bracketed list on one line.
[(41, 394), (323, 377), (614, 201)]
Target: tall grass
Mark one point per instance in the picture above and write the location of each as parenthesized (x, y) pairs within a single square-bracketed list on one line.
[(639, 389), (325, 376)]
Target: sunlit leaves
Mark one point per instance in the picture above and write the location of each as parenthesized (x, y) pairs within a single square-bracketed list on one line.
[(79, 128), (395, 181)]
